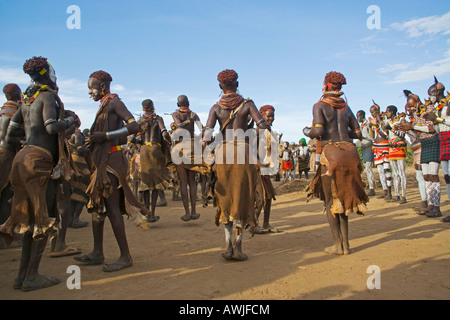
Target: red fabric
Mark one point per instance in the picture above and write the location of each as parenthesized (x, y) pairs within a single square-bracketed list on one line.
[(287, 165)]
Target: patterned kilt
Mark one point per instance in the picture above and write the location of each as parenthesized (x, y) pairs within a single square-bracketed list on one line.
[(430, 150), (381, 151), (444, 140), (397, 150), (417, 150)]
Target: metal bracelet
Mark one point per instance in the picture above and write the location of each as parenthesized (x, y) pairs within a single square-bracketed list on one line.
[(122, 132)]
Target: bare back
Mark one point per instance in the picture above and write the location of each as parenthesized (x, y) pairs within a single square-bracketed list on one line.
[(336, 122)]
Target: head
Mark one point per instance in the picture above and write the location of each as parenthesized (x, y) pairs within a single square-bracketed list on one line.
[(436, 91), (40, 71), (302, 142), (360, 116), (374, 110), (268, 113), (148, 106), (333, 81), (99, 84), (412, 103), (12, 92), (228, 81), (391, 111), (286, 145), (183, 101)]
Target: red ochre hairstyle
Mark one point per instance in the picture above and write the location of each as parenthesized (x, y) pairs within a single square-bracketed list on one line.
[(227, 76), (101, 75), (265, 108), (35, 65), (336, 79), (11, 88)]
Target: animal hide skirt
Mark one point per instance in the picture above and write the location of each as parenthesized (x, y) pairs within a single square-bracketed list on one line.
[(340, 161)]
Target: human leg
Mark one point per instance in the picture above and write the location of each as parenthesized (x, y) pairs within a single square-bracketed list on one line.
[(395, 179), (184, 181), (370, 178), (228, 228), (193, 194), (382, 176), (114, 214), (445, 170), (333, 221)]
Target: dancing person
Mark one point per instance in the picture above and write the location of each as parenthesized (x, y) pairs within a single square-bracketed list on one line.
[(338, 179), (236, 178)]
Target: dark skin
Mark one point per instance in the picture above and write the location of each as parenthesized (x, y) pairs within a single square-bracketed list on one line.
[(11, 145), (336, 124), (220, 115), (375, 122), (77, 139), (269, 117), (187, 177), (155, 134), (33, 118), (118, 113), (411, 107)]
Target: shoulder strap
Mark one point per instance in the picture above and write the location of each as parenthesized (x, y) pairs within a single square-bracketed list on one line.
[(188, 120), (233, 114)]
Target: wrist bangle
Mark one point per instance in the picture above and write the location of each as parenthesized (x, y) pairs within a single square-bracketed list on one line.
[(260, 121), (440, 120)]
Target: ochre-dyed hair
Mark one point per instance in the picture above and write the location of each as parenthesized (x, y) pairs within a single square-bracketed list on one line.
[(101, 75), (35, 65), (227, 77), (335, 78), (11, 88), (265, 108)]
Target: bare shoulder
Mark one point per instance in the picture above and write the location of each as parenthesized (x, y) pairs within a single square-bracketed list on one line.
[(117, 103)]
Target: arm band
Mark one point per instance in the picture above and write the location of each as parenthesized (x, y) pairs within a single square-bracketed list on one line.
[(421, 129), (122, 132), (260, 121), (50, 121), (13, 124)]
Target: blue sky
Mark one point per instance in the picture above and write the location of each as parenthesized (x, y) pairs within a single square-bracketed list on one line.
[(280, 49)]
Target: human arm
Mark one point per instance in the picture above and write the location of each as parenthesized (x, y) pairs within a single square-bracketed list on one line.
[(130, 127)]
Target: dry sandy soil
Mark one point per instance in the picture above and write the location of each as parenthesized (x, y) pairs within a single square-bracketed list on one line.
[(177, 260)]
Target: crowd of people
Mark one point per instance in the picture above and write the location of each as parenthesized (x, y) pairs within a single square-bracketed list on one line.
[(122, 165)]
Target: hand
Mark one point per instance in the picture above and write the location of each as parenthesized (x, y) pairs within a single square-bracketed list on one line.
[(405, 126), (430, 116), (98, 137), (306, 131)]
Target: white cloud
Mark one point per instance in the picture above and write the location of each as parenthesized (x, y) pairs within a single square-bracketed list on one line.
[(425, 26), (422, 72), (13, 75), (395, 67), (117, 87)]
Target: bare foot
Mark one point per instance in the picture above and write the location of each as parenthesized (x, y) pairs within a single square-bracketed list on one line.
[(334, 250), (228, 254), (239, 256)]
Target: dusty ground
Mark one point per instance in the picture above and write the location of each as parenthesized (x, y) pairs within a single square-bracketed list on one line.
[(182, 260)]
